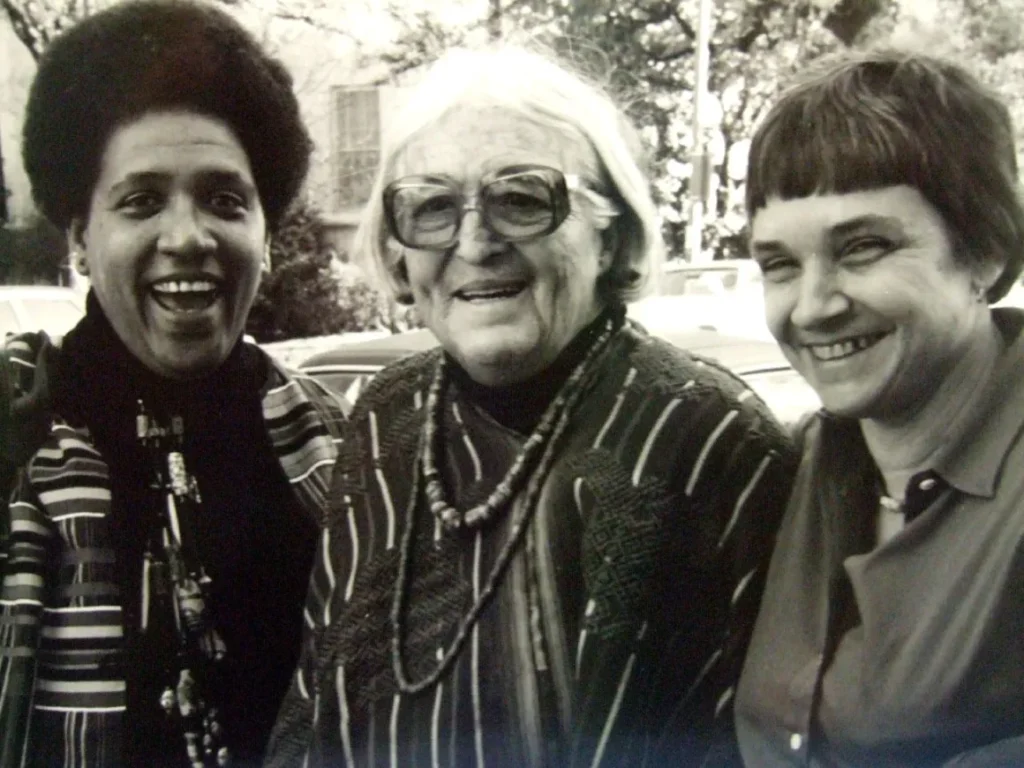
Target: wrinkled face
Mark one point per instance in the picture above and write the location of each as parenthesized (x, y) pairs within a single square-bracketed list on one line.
[(503, 310), (174, 240), (865, 298)]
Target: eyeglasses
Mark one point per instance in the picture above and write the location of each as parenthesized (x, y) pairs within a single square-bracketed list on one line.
[(517, 203)]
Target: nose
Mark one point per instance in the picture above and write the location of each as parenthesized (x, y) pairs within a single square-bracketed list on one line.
[(476, 243), (819, 296), (183, 231)]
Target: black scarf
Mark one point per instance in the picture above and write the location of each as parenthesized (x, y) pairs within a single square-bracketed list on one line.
[(520, 406), (98, 385)]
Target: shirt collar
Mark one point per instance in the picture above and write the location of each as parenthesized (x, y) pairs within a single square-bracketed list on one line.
[(973, 464)]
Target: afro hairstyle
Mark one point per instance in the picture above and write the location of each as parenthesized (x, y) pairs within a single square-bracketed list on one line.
[(153, 55)]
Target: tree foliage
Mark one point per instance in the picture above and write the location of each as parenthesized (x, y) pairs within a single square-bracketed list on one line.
[(35, 253), (643, 52), (304, 293)]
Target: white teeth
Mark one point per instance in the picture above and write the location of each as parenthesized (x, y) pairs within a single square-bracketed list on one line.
[(843, 348), (185, 286)]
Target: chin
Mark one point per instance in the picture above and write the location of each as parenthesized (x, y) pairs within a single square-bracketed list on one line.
[(499, 366)]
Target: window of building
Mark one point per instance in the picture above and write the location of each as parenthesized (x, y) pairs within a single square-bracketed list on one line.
[(356, 143)]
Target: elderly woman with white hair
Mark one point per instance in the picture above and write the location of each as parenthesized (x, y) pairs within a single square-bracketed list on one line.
[(547, 536)]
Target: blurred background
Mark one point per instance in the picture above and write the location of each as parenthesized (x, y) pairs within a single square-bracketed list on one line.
[(697, 76)]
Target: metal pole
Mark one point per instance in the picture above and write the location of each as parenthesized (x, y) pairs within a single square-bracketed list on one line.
[(700, 161)]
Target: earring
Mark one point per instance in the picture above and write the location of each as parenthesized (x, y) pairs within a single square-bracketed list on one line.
[(980, 293), (266, 257), (79, 262)]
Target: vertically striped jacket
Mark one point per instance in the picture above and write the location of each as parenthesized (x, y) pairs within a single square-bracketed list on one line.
[(61, 624), (614, 638)]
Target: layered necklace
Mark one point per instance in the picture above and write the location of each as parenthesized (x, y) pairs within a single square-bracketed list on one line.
[(175, 581), (529, 470)]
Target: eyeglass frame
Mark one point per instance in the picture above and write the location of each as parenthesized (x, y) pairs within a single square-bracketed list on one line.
[(561, 185)]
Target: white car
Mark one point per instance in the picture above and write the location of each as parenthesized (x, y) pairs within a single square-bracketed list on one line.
[(25, 308), (726, 295)]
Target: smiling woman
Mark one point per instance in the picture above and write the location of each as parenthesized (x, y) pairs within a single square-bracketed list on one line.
[(160, 536), (885, 217), (548, 536)]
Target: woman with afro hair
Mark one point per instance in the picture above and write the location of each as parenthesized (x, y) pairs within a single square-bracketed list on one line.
[(156, 549)]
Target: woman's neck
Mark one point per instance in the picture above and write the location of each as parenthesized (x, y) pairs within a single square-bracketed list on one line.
[(901, 447), (520, 406)]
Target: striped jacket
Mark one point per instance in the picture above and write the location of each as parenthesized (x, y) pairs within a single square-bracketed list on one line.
[(616, 635), (60, 611)]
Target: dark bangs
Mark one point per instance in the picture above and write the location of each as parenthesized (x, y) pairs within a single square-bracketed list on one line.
[(889, 118)]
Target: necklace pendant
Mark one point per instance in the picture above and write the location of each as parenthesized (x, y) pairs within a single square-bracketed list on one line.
[(168, 700), (177, 474)]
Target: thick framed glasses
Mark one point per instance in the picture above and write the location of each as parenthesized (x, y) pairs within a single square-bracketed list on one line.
[(516, 204)]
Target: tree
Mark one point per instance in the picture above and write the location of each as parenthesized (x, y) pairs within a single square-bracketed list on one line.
[(642, 51), (303, 295)]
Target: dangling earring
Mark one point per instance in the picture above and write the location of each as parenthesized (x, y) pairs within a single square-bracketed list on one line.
[(266, 257), (79, 262), (980, 293)]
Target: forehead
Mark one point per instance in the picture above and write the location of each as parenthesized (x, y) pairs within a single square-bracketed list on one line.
[(173, 143), (793, 220), (468, 142)]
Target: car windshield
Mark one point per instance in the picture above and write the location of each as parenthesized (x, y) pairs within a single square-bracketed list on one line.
[(786, 392)]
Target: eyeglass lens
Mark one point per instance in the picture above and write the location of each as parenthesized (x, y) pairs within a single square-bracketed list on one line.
[(515, 207)]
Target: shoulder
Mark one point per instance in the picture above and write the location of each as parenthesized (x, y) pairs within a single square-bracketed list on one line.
[(700, 392), (397, 385), (288, 392)]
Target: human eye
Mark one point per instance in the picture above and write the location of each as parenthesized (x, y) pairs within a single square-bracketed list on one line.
[(140, 204), (520, 200), (434, 212), (861, 251), (228, 204), (777, 267)]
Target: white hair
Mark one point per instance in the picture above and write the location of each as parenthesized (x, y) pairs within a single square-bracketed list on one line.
[(535, 86)]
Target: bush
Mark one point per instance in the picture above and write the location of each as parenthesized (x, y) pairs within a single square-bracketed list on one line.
[(35, 253), (305, 294)]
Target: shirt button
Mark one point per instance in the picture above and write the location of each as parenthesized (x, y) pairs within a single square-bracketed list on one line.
[(796, 741), (927, 484)]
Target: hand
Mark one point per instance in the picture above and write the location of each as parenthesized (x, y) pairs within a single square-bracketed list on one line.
[(25, 397)]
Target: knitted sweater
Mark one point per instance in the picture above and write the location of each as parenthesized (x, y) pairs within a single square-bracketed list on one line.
[(61, 613), (616, 636)]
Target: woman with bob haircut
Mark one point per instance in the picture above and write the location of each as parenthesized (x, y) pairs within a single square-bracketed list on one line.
[(883, 200), (545, 537), (157, 546)]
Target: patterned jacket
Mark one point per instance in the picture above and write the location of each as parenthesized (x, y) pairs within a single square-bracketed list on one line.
[(615, 637), (58, 513)]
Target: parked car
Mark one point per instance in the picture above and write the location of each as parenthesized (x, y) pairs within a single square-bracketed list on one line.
[(348, 368), (25, 308), (725, 295)]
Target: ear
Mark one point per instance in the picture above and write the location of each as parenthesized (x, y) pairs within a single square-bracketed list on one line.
[(75, 236), (400, 277), (986, 272), (267, 264), (611, 242)]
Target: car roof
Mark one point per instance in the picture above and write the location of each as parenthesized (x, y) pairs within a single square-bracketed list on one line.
[(39, 292), (740, 354)]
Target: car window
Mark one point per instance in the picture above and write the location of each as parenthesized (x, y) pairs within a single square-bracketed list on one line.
[(8, 320), (786, 393), (350, 384), (55, 316)]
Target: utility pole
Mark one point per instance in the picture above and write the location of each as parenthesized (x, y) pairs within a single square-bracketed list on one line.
[(700, 178)]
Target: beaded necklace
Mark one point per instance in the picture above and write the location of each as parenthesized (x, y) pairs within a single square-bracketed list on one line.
[(173, 577), (530, 469)]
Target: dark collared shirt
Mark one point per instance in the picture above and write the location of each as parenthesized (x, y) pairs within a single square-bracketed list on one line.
[(910, 652)]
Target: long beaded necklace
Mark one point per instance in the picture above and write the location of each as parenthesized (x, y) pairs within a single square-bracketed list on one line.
[(537, 455), (173, 576)]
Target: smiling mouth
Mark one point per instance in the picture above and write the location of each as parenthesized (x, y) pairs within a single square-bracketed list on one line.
[(490, 293), (185, 295), (846, 348)]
